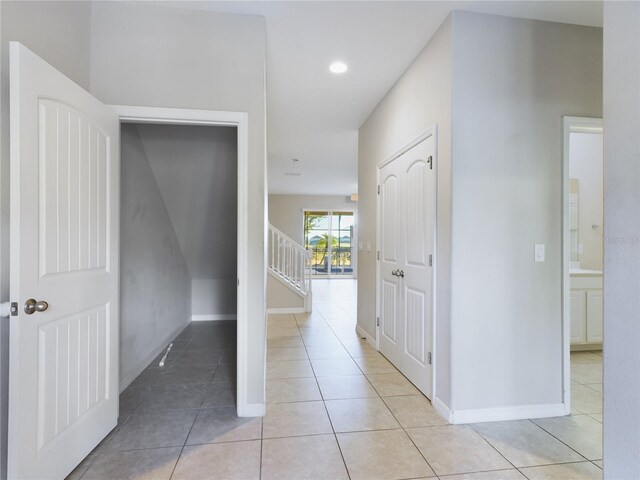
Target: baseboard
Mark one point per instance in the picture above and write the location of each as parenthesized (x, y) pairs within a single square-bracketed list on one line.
[(251, 410), (285, 310), (363, 334), (214, 317), (142, 364), (443, 410), (499, 414)]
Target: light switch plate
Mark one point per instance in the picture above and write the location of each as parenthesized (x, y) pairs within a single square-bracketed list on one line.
[(539, 252), (368, 246), (360, 246)]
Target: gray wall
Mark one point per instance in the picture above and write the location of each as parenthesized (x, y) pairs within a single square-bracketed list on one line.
[(147, 54), (622, 238), (420, 98), (196, 169), (155, 285), (60, 33), (513, 81)]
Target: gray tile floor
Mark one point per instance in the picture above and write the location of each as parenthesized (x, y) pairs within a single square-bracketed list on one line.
[(168, 411), (336, 408)]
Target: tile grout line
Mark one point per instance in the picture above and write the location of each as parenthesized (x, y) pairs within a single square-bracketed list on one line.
[(261, 446), (561, 441), (324, 404)]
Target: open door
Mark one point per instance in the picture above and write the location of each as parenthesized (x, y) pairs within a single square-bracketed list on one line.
[(63, 381)]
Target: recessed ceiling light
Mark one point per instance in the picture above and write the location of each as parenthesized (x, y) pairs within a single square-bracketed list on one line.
[(338, 67)]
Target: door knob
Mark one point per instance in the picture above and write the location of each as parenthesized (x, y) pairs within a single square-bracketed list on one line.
[(31, 306), (394, 273), (401, 273)]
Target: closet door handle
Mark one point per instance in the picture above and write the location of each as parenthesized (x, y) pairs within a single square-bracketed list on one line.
[(401, 273)]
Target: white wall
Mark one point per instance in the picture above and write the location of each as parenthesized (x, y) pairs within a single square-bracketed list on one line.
[(279, 296), (585, 165), (420, 98), (59, 32), (513, 81), (196, 170), (150, 55), (155, 285), (622, 239)]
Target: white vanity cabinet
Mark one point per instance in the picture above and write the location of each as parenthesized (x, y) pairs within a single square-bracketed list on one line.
[(586, 309)]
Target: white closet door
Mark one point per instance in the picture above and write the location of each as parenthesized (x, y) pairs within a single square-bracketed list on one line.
[(417, 284), (407, 219), (391, 334), (63, 380)]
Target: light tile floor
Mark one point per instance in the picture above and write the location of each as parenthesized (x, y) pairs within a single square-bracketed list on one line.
[(336, 408)]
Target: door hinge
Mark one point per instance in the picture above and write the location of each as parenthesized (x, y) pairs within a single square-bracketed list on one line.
[(378, 254), (431, 260), (14, 309), (429, 357), (377, 321), (430, 162), (378, 189), (238, 282)]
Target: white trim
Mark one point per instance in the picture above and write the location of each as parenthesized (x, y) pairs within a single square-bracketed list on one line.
[(240, 120), (431, 131), (569, 125), (369, 338), (252, 410), (499, 414), (443, 410), (214, 317), (142, 364), (285, 310)]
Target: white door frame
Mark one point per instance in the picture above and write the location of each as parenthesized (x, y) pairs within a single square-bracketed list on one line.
[(569, 125), (432, 131), (240, 120), (354, 240)]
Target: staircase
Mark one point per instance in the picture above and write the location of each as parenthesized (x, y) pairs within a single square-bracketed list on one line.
[(290, 263)]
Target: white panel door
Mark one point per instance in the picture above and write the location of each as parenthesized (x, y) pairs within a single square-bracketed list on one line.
[(390, 336), (417, 282), (407, 219), (63, 385)]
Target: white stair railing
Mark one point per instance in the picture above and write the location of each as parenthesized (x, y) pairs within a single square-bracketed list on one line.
[(289, 261)]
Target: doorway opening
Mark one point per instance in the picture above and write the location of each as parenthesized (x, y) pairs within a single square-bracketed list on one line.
[(583, 265), (200, 180), (330, 237)]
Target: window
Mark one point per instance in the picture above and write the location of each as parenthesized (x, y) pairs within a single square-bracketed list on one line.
[(330, 237)]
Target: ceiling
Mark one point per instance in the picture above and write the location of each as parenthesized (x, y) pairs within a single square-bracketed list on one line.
[(314, 115)]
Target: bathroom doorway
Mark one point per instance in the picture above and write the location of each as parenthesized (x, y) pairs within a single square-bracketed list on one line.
[(583, 265)]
